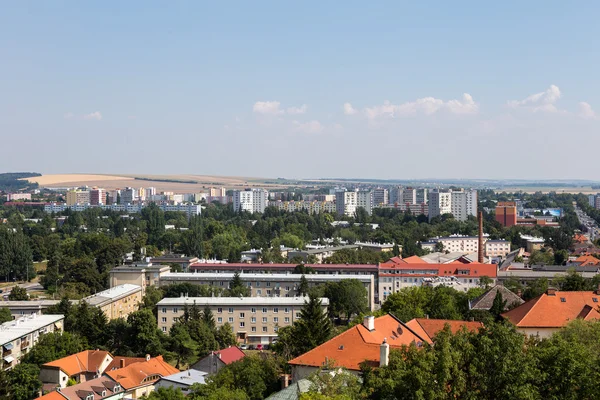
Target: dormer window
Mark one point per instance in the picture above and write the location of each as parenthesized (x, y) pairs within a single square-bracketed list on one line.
[(563, 300)]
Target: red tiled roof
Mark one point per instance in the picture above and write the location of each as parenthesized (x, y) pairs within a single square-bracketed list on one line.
[(116, 363), (85, 361), (579, 238), (133, 375), (428, 328), (237, 266), (555, 311), (453, 269), (356, 345), (587, 260), (230, 354), (51, 396)]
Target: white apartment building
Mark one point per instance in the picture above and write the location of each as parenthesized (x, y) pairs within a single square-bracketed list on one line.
[(346, 203), (409, 196), (128, 195), (497, 248), (380, 196), (439, 203), (464, 204), (251, 200), (254, 320), (364, 199), (313, 207), (18, 336), (454, 243), (18, 196)]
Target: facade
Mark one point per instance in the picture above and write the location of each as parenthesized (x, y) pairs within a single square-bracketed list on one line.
[(506, 213), (346, 203), (254, 320), (80, 367), (78, 197), (364, 199), (454, 243), (142, 274), (464, 204), (118, 301), (439, 203), (496, 248), (18, 196), (380, 196), (422, 196), (250, 200), (313, 207), (18, 336), (217, 192), (189, 209), (128, 195), (268, 285), (97, 196)]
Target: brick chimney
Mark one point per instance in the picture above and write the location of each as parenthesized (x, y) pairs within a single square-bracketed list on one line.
[(384, 353), (285, 381), (122, 363), (480, 241), (551, 291)]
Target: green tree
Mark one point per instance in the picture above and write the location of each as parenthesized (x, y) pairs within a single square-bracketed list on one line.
[(165, 393), (303, 286), (347, 297), (224, 336), (5, 315), (182, 345), (18, 293), (53, 346), (23, 382), (498, 306), (237, 288), (485, 282), (144, 336)]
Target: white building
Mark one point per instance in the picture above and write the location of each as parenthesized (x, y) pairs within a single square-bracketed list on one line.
[(128, 195), (497, 248), (439, 203), (380, 196), (364, 199), (18, 196), (189, 209), (464, 204), (313, 207), (346, 203), (455, 243), (251, 200)]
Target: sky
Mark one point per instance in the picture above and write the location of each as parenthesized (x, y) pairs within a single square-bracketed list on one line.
[(311, 89)]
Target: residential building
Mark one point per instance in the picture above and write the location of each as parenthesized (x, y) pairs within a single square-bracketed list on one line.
[(364, 199), (139, 379), (97, 196), (113, 196), (140, 274), (553, 310), (320, 254), (19, 335), (80, 367), (313, 207), (506, 213), (272, 268), (268, 285), (23, 308), (486, 300), (439, 203), (496, 248), (216, 360), (102, 388), (409, 196), (398, 273), (250, 200), (180, 259), (346, 203), (254, 320), (78, 197), (118, 301), (414, 209), (532, 243), (380, 196), (395, 195), (183, 380), (454, 243), (422, 196), (128, 195), (463, 204), (188, 209), (217, 192), (18, 196)]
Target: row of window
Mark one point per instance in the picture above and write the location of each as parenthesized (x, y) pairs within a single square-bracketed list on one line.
[(265, 310)]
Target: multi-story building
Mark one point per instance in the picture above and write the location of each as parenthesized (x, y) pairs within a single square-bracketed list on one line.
[(454, 243), (422, 197), (313, 207), (255, 320), (497, 248), (118, 301), (320, 253), (141, 274), (189, 209), (272, 268), (18, 196), (97, 196), (409, 196), (267, 285), (18, 336), (250, 200), (463, 204), (346, 203), (380, 196), (217, 192), (415, 209), (439, 203), (78, 197), (114, 196), (395, 195), (506, 213), (128, 195), (364, 199)]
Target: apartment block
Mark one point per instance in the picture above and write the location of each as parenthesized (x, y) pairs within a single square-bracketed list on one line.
[(118, 301), (140, 274), (380, 196), (496, 248), (506, 213), (18, 336), (97, 196), (250, 200), (78, 197), (346, 203), (463, 204), (254, 320), (18, 196), (313, 207), (128, 195), (364, 199), (439, 203), (188, 209), (217, 192)]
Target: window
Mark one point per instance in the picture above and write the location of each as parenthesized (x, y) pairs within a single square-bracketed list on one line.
[(242, 324), (220, 320), (259, 292), (164, 328), (253, 329), (276, 319), (253, 320), (595, 299), (264, 320), (219, 310), (268, 284), (297, 315), (264, 310), (276, 310), (276, 328), (253, 310), (174, 319), (221, 284), (264, 328), (563, 300), (230, 310), (164, 310), (268, 292), (287, 320), (242, 315), (257, 284), (231, 320), (286, 310), (164, 319), (175, 310), (287, 288)]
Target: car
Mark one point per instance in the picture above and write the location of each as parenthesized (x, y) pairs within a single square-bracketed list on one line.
[(259, 347), (251, 347), (244, 347)]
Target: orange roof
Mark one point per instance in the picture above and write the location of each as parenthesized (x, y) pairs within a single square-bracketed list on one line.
[(555, 310), (457, 269), (134, 375), (413, 260), (587, 260), (85, 361), (116, 363), (579, 238), (428, 328), (51, 396), (356, 345)]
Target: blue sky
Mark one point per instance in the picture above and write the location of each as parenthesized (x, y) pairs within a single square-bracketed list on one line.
[(304, 89)]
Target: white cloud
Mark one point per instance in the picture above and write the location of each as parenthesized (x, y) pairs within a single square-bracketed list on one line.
[(297, 110), (311, 127), (426, 105), (543, 101), (585, 110), (96, 115), (349, 110), (69, 115), (267, 107)]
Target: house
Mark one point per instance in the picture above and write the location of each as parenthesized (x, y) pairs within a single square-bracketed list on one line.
[(102, 388), (553, 310), (122, 362), (428, 328), (182, 380), (80, 367), (361, 343), (293, 391), (486, 300), (586, 261), (212, 363), (138, 379)]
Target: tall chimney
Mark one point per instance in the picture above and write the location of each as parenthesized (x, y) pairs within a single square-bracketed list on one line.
[(480, 249), (384, 353)]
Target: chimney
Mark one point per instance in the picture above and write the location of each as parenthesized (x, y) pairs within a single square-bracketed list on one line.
[(219, 355), (147, 357), (122, 363), (369, 322), (551, 291), (480, 242), (285, 381), (384, 353)]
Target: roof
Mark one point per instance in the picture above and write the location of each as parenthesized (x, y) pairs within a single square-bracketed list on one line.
[(97, 386), (84, 361), (428, 328), (455, 268), (18, 328), (293, 391), (133, 375), (356, 345), (579, 238), (208, 276), (51, 396), (116, 362), (268, 266), (555, 309), (188, 377), (486, 300), (236, 301), (230, 354), (586, 260), (113, 293)]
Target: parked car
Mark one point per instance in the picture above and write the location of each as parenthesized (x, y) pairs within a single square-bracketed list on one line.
[(259, 347), (251, 347), (244, 347)]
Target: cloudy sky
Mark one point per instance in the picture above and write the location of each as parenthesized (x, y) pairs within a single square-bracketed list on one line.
[(301, 89)]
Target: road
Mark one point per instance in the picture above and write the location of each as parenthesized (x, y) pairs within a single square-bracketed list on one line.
[(591, 225)]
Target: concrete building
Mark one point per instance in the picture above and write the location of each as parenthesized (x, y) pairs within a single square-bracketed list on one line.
[(255, 320), (506, 213), (139, 379), (18, 336), (272, 268), (463, 204), (346, 203), (454, 243), (188, 209), (409, 196), (268, 285), (128, 195), (78, 197), (114, 196), (313, 207), (496, 248), (364, 199), (217, 192), (118, 301), (380, 196), (422, 196), (439, 203), (140, 274), (18, 196), (97, 196), (250, 200)]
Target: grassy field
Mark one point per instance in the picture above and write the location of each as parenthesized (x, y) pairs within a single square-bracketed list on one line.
[(548, 189)]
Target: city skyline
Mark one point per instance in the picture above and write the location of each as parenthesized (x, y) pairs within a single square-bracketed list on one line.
[(495, 91)]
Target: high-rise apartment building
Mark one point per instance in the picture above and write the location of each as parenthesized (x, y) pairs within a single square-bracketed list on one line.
[(128, 195), (464, 204), (506, 213), (97, 196), (346, 203), (439, 203), (380, 196), (251, 200), (393, 197), (422, 196), (78, 197), (364, 199), (217, 192), (409, 196)]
